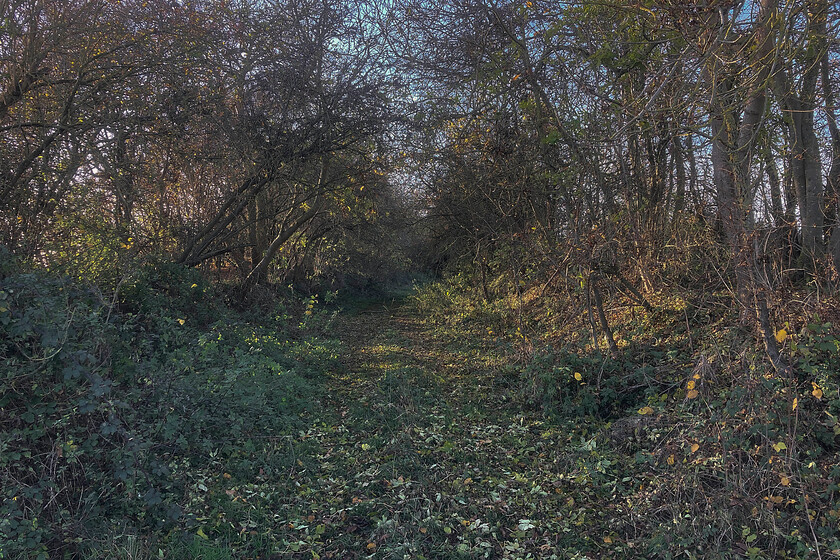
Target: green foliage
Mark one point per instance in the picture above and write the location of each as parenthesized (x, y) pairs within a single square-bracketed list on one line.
[(710, 448), (166, 290), (57, 445), (108, 413), (579, 385)]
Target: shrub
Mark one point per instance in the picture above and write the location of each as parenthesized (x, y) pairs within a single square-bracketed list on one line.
[(106, 414)]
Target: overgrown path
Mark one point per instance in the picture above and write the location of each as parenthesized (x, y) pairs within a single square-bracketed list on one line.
[(425, 451)]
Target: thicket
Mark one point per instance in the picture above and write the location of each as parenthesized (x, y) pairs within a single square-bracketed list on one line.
[(113, 405), (740, 458)]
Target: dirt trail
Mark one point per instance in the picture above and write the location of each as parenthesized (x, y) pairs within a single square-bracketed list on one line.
[(429, 457)]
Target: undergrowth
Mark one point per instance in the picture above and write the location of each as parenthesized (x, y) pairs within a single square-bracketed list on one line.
[(158, 422), (729, 457), (116, 410)]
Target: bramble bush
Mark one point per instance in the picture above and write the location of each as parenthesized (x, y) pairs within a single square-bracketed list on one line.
[(108, 405)]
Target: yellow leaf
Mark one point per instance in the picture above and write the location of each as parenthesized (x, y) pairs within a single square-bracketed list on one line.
[(690, 385), (692, 394), (608, 539), (201, 534), (779, 447), (578, 376), (646, 410), (365, 446), (785, 481), (795, 402), (194, 286), (226, 475), (817, 392), (670, 459), (371, 546), (695, 447), (696, 376), (781, 335), (181, 321)]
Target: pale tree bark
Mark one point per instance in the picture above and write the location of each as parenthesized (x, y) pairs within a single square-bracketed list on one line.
[(799, 107), (735, 129), (834, 169)]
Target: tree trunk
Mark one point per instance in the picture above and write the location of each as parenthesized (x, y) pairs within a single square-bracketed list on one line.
[(805, 162), (733, 145), (679, 164), (602, 316), (834, 169), (259, 271)]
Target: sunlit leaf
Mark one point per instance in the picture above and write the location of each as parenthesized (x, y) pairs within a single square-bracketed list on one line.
[(779, 447), (690, 385), (578, 376), (695, 447), (646, 410), (781, 335), (692, 394)]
